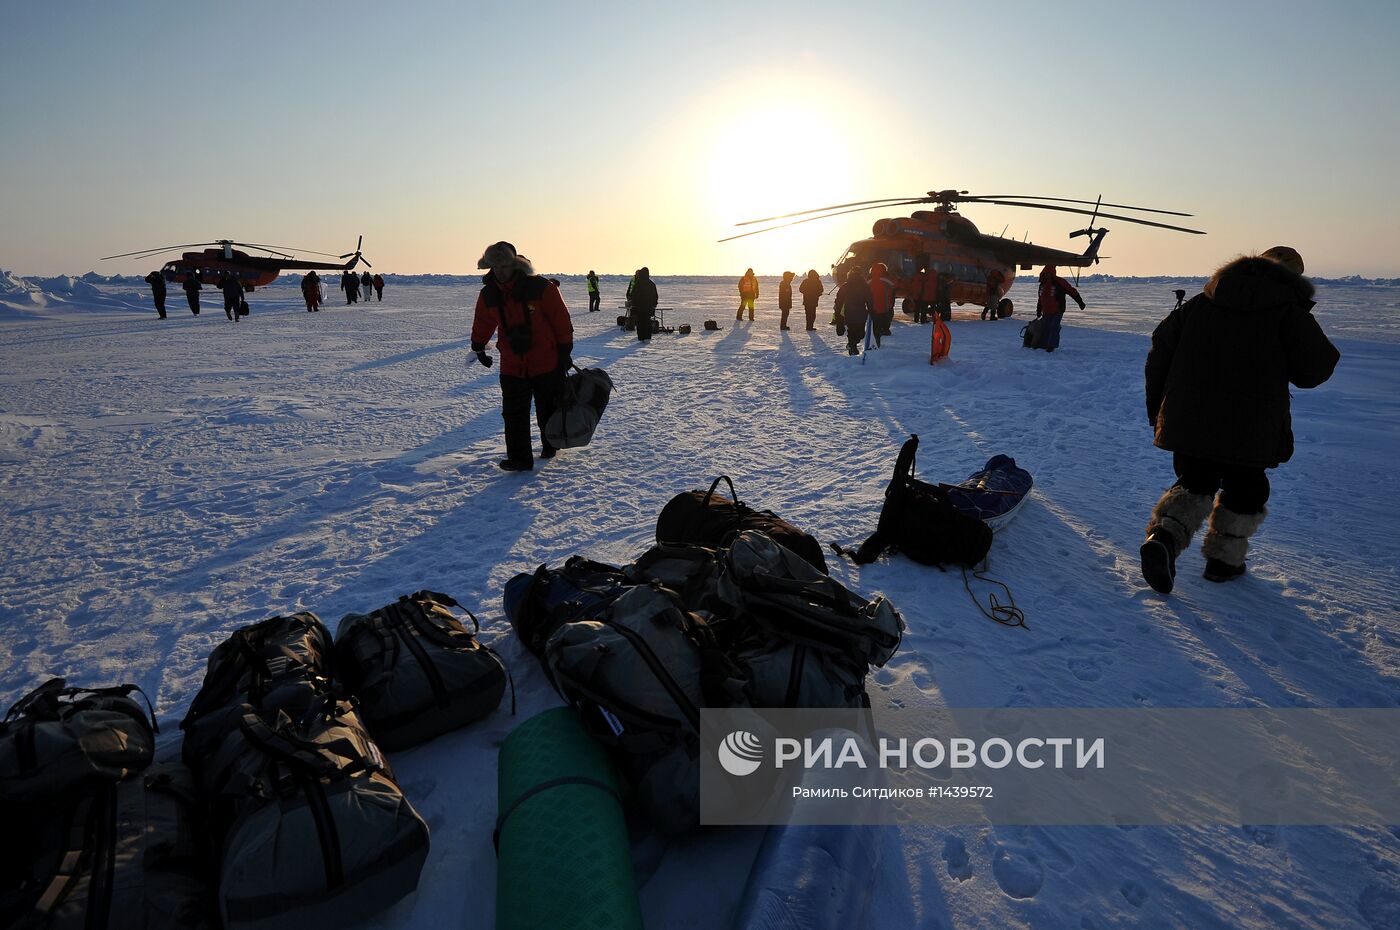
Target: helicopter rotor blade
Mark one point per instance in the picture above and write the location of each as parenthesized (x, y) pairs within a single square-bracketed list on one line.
[(286, 251), (810, 219), (164, 248), (837, 206), (1109, 216), (1117, 206)]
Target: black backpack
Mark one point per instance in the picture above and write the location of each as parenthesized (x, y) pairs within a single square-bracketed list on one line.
[(919, 521), (705, 518), (539, 602)]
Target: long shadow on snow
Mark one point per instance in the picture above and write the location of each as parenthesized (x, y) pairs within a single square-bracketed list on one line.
[(411, 355)]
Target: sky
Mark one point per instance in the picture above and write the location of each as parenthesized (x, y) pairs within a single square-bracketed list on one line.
[(612, 135)]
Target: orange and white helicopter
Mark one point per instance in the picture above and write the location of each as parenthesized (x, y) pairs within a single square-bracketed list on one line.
[(252, 270), (943, 240)]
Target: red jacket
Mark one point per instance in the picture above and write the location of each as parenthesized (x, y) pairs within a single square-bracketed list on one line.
[(526, 304), (1053, 289), (881, 289)]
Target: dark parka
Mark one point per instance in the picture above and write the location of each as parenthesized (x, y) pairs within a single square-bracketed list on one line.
[(811, 289), (853, 301), (1219, 368), (527, 303)]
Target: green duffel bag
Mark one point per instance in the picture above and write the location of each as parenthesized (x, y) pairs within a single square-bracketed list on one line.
[(126, 855), (417, 671), (56, 737), (314, 830), (634, 676), (282, 663)]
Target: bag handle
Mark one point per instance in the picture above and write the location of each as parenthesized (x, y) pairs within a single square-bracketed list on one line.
[(287, 748), (445, 600), (733, 494)]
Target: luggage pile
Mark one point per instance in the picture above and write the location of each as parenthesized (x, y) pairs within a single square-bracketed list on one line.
[(731, 607), (283, 776), (96, 834)]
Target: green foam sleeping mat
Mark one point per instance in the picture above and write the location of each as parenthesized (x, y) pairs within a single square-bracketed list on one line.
[(563, 857)]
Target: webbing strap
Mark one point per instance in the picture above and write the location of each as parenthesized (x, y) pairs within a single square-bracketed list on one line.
[(542, 787)]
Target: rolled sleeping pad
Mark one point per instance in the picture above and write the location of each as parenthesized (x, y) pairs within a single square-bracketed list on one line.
[(563, 856), (814, 876)]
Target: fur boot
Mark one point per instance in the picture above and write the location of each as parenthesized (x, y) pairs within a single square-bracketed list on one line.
[(1227, 541), (1176, 517)]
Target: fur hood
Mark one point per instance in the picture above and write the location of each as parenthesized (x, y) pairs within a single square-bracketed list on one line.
[(1254, 283)]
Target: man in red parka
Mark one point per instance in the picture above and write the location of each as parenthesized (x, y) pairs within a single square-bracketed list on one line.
[(536, 342), (1051, 306)]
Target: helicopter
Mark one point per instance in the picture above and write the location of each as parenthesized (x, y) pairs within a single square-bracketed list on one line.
[(943, 240), (252, 270)]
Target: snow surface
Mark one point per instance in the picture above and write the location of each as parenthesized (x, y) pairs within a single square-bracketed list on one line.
[(164, 482)]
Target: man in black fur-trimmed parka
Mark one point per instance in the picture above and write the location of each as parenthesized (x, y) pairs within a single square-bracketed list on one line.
[(1217, 398)]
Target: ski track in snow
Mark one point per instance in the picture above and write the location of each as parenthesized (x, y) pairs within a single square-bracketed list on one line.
[(163, 482)]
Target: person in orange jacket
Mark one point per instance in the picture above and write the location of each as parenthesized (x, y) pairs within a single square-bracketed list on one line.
[(378, 282), (881, 299), (1051, 306), (748, 293), (536, 342)]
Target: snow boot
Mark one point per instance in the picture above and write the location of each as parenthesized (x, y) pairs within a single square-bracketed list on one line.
[(1177, 516), (516, 465), (1227, 541)]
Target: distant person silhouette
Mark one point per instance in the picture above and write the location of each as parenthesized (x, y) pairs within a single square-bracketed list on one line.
[(157, 282), (233, 294), (644, 301), (853, 303), (192, 288), (748, 293), (812, 290), (311, 291), (378, 282), (594, 298), (366, 284), (785, 298)]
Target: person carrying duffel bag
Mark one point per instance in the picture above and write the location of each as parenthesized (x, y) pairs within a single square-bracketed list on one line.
[(709, 519), (417, 671)]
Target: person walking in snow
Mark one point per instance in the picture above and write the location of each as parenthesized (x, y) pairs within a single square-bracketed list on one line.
[(1217, 382), (644, 301), (785, 298), (192, 288), (748, 293), (378, 282), (812, 290), (351, 283), (593, 296), (536, 342), (881, 299), (991, 307), (232, 289), (853, 303), (311, 291), (1050, 306), (157, 282), (366, 285)]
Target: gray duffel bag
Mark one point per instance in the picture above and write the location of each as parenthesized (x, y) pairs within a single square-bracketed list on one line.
[(634, 676), (56, 738), (315, 832), (126, 855), (417, 671)]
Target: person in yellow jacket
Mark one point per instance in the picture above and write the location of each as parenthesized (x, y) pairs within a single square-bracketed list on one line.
[(748, 293)]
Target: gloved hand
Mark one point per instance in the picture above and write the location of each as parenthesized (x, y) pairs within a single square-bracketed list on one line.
[(485, 359), (1081, 305), (566, 358)]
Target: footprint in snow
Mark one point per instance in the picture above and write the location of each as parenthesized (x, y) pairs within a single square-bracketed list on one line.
[(1133, 893), (955, 855), (1018, 872)]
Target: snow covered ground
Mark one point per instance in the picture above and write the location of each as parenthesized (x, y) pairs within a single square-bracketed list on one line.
[(162, 482)]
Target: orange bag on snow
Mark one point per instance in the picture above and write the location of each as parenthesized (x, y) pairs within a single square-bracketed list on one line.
[(942, 340)]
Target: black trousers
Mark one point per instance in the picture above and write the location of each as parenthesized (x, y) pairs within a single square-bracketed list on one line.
[(593, 298), (516, 394), (193, 298), (811, 312), (1243, 488), (159, 297)]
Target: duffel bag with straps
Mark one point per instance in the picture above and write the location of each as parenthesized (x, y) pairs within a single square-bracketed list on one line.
[(417, 670), (638, 676), (282, 663), (57, 737), (537, 603), (314, 830), (117, 855), (582, 401), (709, 519)]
